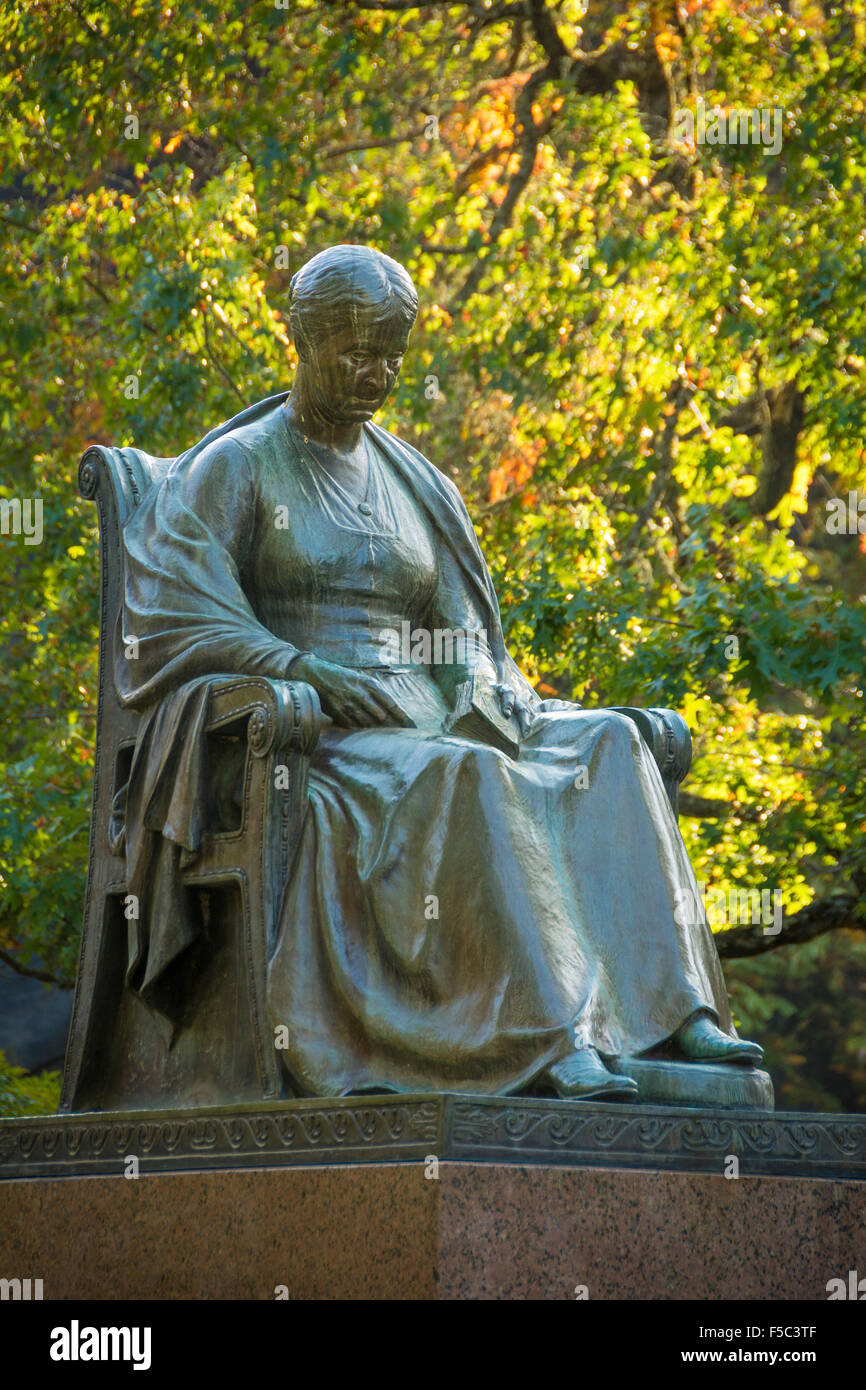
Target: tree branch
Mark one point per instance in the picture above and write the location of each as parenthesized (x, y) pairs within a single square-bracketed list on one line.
[(664, 448), (712, 808), (516, 9), (532, 132), (42, 975), (224, 373), (545, 30), (820, 917), (355, 146), (434, 250)]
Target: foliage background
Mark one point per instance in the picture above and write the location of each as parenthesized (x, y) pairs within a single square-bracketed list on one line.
[(642, 359)]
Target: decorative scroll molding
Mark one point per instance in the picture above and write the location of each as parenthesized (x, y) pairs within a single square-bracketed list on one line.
[(668, 1138), (390, 1128), (275, 1132)]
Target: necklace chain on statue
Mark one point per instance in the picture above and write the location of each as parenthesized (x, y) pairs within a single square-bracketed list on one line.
[(363, 506)]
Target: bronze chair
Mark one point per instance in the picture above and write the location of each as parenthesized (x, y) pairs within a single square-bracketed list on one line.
[(118, 1057), (256, 725)]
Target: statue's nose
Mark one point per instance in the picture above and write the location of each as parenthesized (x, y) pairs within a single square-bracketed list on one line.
[(379, 374)]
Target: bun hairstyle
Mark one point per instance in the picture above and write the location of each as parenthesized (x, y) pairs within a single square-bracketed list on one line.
[(327, 294)]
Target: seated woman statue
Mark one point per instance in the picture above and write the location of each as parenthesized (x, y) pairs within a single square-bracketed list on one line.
[(458, 918)]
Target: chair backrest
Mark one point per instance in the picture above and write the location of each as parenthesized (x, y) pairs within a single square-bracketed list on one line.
[(117, 480)]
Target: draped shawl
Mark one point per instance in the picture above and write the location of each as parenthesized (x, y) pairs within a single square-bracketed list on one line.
[(185, 608)]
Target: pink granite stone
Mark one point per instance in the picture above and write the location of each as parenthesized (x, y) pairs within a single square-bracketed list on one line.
[(329, 1232), (539, 1232), (388, 1231)]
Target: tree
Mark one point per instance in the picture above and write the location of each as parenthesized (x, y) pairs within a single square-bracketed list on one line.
[(641, 355)]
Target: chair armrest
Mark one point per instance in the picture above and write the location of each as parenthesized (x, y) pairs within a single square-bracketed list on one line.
[(278, 714), (667, 736)]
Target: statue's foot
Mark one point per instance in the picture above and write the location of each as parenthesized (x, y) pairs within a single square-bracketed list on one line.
[(701, 1040), (583, 1074)]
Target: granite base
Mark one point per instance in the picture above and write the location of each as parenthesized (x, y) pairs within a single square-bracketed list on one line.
[(432, 1229)]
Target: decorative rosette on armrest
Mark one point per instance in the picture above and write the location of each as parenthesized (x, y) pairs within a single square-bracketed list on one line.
[(280, 714)]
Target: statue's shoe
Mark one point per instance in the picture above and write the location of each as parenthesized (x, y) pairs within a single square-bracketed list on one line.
[(702, 1041), (583, 1074)]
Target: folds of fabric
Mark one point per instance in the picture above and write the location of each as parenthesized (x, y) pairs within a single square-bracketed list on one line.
[(454, 919), (470, 949)]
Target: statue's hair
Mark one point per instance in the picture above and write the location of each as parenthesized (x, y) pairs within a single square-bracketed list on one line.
[(327, 293)]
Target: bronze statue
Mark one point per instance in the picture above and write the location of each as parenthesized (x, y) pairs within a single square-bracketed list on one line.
[(482, 904)]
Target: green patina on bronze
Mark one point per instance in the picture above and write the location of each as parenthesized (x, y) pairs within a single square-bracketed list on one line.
[(300, 883)]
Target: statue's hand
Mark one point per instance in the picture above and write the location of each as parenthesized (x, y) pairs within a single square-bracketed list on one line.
[(353, 699), (510, 703)]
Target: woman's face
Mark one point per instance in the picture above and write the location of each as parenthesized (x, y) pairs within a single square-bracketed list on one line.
[(352, 370)]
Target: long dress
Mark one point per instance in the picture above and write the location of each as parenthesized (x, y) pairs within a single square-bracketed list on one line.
[(455, 919)]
